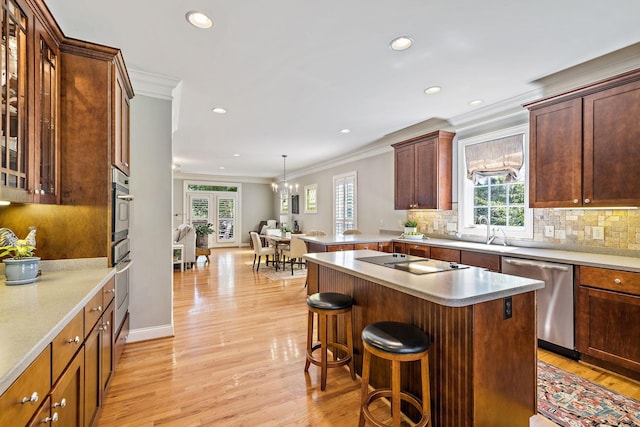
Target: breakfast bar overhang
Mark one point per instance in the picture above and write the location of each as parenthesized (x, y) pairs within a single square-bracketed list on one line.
[(482, 327)]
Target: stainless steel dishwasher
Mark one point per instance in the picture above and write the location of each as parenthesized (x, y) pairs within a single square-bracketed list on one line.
[(555, 302)]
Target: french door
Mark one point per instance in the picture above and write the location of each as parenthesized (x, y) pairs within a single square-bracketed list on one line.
[(219, 209)]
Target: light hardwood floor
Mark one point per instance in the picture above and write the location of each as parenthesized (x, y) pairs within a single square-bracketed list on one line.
[(237, 359)]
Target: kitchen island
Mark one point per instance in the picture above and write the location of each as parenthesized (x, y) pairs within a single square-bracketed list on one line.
[(482, 359)]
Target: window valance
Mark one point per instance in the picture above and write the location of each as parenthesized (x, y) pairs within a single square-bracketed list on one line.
[(498, 157)]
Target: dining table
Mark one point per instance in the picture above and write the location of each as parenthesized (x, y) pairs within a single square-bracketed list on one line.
[(278, 242)]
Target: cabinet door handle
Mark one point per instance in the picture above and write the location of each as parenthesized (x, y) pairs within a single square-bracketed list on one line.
[(51, 419), (98, 309), (575, 201), (61, 404), (617, 281), (75, 340), (34, 398), (587, 201)]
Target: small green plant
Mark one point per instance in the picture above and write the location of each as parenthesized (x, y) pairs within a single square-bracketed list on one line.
[(204, 229), (285, 229), (410, 223), (19, 251)]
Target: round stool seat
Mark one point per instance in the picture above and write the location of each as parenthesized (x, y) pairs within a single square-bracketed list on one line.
[(396, 337), (329, 301)]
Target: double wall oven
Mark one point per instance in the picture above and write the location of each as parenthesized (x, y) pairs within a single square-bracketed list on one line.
[(120, 250)]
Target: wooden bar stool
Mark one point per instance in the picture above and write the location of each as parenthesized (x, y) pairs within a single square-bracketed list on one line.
[(397, 342), (328, 305)]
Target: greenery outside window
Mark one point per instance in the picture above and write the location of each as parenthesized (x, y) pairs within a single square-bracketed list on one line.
[(345, 202), (500, 198)]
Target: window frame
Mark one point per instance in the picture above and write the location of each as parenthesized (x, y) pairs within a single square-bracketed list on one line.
[(466, 227)]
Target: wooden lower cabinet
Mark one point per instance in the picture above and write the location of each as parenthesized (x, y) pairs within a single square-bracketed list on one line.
[(64, 404), (417, 250), (385, 247), (478, 259), (98, 364), (445, 254), (22, 399), (338, 248), (608, 307)]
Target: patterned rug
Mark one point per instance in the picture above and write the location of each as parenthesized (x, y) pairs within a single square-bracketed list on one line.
[(281, 274), (572, 401)]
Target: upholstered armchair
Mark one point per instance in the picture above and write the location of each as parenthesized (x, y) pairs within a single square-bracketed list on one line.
[(185, 235)]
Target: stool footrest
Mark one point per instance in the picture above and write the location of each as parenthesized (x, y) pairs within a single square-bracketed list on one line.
[(330, 363), (386, 392)]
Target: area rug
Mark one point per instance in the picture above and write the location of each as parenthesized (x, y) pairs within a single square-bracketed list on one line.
[(281, 274), (572, 401)]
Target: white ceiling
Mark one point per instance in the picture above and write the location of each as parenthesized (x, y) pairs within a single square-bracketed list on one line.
[(292, 73)]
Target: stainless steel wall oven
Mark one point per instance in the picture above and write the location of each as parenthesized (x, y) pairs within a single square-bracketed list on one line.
[(120, 206), (120, 250)]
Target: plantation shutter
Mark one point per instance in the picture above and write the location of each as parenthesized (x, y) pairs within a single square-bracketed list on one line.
[(345, 202), (499, 157), (226, 218)]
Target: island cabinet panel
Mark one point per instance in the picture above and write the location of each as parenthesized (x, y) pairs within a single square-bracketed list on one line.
[(608, 303), (338, 248), (313, 247), (468, 387), (385, 247), (371, 245), (478, 259)]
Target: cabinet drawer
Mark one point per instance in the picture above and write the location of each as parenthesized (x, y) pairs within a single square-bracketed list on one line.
[(108, 292), (613, 280), (417, 250), (65, 345), (477, 259), (92, 311), (31, 387), (385, 247), (360, 246), (445, 254), (338, 248)]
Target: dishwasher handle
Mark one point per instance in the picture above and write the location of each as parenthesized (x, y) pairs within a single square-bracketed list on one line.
[(540, 265)]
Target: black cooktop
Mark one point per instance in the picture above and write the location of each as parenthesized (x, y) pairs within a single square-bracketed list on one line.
[(413, 264)]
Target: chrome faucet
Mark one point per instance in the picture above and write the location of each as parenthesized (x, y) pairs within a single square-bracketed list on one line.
[(490, 236), (504, 241)]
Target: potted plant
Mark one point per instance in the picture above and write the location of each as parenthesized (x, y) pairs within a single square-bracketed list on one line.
[(285, 231), (22, 267), (410, 226), (202, 232)]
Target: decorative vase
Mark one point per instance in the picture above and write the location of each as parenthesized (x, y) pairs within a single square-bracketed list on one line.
[(287, 234), (21, 271), (410, 229)]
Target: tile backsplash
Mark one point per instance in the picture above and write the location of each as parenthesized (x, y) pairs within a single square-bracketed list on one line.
[(581, 229)]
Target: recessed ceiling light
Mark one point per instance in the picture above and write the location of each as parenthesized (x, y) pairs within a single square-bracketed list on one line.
[(432, 90), (219, 110), (345, 130), (199, 19), (476, 102), (236, 155), (221, 168), (401, 43)]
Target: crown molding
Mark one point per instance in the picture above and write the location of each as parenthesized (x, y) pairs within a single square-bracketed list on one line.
[(153, 85)]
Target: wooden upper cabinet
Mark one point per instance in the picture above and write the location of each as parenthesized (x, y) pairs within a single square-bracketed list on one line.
[(612, 146), (423, 176), (582, 146), (45, 171), (555, 155), (14, 97), (121, 145)]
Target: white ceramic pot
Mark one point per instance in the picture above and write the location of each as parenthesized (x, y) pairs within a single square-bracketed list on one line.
[(410, 229), (21, 271)]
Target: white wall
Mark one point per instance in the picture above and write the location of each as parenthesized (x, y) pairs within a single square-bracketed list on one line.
[(151, 275)]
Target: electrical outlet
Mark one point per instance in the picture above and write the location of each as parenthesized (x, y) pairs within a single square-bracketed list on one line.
[(549, 231), (598, 233), (507, 308)]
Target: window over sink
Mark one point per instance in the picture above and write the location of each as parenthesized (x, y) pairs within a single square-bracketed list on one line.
[(493, 184)]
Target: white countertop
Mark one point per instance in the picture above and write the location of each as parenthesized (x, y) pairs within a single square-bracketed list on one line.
[(455, 288), (32, 315), (593, 259)]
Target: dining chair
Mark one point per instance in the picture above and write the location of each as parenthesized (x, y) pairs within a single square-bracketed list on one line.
[(297, 248), (259, 250), (351, 231)]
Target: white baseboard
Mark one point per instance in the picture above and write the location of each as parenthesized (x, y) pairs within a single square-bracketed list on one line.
[(144, 334)]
